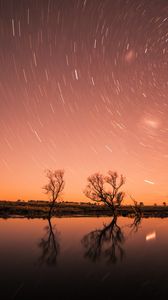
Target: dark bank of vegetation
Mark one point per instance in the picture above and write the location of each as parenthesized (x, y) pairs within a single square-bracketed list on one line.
[(40, 209)]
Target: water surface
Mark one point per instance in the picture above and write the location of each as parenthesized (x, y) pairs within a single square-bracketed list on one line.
[(74, 258)]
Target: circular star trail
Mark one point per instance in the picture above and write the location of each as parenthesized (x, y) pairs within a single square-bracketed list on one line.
[(83, 87)]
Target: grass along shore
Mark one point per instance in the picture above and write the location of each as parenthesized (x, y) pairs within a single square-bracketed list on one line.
[(40, 209)]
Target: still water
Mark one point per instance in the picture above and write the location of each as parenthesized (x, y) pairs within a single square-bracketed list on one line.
[(83, 257)]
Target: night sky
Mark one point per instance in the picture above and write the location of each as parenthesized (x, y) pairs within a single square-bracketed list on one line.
[(84, 88)]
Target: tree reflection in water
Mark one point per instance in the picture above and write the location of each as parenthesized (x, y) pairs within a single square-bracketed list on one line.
[(49, 245), (136, 223), (108, 242)]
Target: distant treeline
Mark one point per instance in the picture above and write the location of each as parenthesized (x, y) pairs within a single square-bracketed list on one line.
[(39, 209)]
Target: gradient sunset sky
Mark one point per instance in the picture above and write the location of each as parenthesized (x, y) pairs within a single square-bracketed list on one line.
[(84, 88)]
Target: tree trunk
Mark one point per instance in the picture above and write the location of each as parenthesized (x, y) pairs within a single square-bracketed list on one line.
[(51, 208)]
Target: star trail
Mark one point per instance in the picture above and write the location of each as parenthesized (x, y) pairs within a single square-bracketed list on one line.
[(84, 88)]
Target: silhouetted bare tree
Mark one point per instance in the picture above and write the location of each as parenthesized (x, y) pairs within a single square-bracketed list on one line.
[(137, 215), (96, 189), (49, 245), (106, 242), (136, 208), (54, 187)]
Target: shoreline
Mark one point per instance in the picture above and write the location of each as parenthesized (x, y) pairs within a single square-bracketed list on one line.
[(39, 209)]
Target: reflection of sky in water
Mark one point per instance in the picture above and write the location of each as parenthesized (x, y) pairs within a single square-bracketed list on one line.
[(74, 273), (151, 236)]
